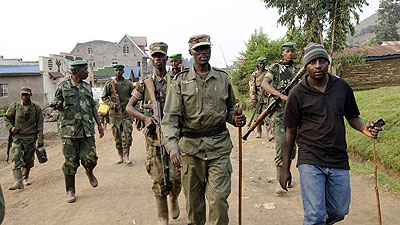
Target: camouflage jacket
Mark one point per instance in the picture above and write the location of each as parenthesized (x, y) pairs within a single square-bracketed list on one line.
[(28, 119), (280, 76), (255, 89), (76, 115), (194, 103), (140, 93)]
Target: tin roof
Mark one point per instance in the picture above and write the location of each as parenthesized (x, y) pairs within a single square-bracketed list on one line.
[(11, 69), (389, 48)]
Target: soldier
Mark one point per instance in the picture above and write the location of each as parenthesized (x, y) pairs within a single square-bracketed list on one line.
[(198, 105), (176, 64), (256, 91), (24, 120), (158, 52), (116, 94), (276, 79), (77, 108)]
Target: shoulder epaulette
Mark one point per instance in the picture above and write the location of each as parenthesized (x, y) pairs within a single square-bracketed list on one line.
[(182, 72), (220, 70)]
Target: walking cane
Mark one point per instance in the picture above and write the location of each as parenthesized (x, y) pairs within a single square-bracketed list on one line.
[(238, 112), (378, 123)]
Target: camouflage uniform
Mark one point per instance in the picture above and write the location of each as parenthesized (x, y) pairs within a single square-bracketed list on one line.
[(256, 90), (194, 104), (29, 120), (153, 155), (76, 125), (121, 127), (280, 76)]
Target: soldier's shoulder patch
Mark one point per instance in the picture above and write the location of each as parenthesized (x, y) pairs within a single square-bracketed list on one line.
[(186, 70)]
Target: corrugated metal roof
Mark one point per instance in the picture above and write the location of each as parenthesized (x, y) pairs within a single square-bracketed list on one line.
[(386, 49), (19, 69)]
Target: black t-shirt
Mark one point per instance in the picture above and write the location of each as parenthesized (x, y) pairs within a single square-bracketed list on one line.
[(321, 135)]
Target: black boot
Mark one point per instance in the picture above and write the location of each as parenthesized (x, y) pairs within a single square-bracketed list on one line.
[(70, 188)]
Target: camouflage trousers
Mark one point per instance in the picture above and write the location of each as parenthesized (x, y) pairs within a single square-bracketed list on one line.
[(155, 170), (122, 132), (23, 153), (279, 131), (78, 149), (211, 179)]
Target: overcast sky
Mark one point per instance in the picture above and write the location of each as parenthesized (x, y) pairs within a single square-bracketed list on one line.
[(30, 28)]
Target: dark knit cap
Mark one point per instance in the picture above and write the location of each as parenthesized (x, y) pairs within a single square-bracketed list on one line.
[(314, 51)]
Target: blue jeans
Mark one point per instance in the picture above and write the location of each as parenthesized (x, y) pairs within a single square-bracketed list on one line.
[(325, 193)]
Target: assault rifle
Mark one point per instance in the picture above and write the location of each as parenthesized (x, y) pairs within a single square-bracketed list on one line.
[(115, 97), (273, 104), (10, 140), (157, 116)]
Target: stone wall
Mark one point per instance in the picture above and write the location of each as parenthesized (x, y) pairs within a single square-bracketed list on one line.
[(373, 74)]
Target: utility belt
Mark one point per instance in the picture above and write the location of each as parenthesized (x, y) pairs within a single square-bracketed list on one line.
[(205, 133)]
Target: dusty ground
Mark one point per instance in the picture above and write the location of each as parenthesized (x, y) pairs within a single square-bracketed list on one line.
[(124, 195)]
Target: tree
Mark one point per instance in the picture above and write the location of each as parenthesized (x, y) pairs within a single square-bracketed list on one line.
[(259, 45), (388, 18), (327, 22)]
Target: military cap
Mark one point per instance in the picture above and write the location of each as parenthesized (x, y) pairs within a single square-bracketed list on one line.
[(289, 45), (262, 60), (119, 66), (199, 40), (25, 90), (176, 56), (78, 63), (158, 47)]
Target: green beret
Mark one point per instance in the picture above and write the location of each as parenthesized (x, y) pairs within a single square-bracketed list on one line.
[(119, 66), (78, 63), (176, 56), (262, 60), (289, 45)]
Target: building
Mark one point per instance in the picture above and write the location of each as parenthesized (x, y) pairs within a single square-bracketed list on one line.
[(381, 67), (129, 51)]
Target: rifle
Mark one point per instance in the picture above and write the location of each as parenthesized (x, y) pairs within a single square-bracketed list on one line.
[(258, 105), (115, 96), (10, 140), (273, 104), (157, 116)]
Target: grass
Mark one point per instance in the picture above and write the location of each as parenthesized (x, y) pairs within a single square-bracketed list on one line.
[(373, 104)]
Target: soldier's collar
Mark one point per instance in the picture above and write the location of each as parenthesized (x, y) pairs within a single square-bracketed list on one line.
[(193, 74), (155, 77)]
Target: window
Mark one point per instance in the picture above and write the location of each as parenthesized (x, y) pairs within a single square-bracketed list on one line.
[(125, 48), (3, 90), (50, 64), (90, 50), (114, 63), (138, 64)]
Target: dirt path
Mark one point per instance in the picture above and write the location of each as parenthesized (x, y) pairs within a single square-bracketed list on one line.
[(124, 195)]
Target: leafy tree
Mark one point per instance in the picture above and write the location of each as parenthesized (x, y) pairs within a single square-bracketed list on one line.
[(388, 18), (326, 22), (259, 45)]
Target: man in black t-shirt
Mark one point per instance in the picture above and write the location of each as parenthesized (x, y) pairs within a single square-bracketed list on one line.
[(314, 113)]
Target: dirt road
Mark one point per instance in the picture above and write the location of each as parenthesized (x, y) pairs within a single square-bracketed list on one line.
[(124, 194)]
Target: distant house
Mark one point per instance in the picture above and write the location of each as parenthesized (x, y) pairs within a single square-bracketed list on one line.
[(382, 67), (130, 51), (13, 77)]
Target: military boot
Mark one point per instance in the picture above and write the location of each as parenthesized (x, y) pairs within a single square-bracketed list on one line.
[(279, 190), (18, 180), (174, 206), (126, 156), (70, 188), (162, 210), (120, 160), (92, 179), (25, 175)]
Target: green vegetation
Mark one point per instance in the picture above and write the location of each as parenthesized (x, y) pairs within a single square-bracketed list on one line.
[(388, 18), (2, 112), (385, 181), (373, 104)]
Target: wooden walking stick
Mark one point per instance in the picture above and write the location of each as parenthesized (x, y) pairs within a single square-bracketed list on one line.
[(378, 123), (238, 112)]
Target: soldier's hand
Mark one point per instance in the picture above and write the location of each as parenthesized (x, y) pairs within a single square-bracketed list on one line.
[(285, 179), (176, 157), (101, 131), (180, 67), (240, 120), (14, 130), (283, 97), (58, 105), (150, 123)]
